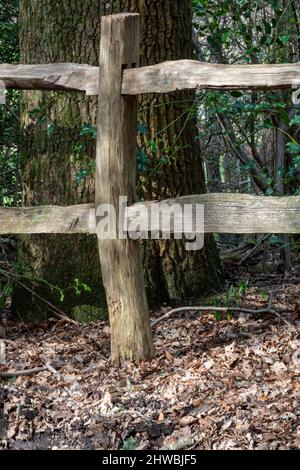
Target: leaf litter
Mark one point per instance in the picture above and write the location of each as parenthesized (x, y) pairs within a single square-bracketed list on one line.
[(229, 384)]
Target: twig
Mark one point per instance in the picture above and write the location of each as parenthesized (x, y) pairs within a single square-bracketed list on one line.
[(253, 250), (224, 310), (59, 313), (18, 373), (62, 317)]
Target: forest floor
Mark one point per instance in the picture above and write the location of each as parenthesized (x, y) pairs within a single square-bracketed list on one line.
[(214, 384)]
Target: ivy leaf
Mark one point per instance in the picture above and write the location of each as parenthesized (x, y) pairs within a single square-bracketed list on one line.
[(225, 36), (269, 40), (142, 128), (237, 94), (50, 129), (152, 146), (41, 120), (276, 4), (293, 147), (164, 159), (295, 120), (268, 27), (268, 123), (88, 129), (33, 113), (269, 192), (284, 38), (284, 117), (142, 160), (86, 288), (81, 175), (250, 164), (213, 43)]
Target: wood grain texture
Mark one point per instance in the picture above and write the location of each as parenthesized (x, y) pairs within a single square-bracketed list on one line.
[(46, 219), (224, 213), (62, 76), (121, 263), (188, 74), (161, 78), (238, 213)]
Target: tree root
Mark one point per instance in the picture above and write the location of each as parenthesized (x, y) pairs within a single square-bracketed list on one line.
[(223, 310)]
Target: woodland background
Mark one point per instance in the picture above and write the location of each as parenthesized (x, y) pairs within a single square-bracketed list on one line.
[(245, 142), (217, 382)]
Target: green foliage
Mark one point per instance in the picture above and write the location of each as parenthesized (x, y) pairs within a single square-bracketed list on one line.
[(275, 240), (249, 32), (88, 130), (142, 129), (129, 444), (263, 295), (143, 160), (77, 286), (6, 293), (295, 121), (293, 148), (9, 47), (235, 293), (84, 137), (10, 160), (18, 272)]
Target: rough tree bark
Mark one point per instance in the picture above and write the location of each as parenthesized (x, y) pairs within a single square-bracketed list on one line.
[(67, 31), (166, 34)]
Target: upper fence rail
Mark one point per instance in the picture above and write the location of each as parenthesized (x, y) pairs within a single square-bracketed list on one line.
[(161, 78), (223, 213)]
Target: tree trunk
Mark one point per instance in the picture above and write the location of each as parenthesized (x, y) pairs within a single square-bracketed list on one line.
[(174, 166), (69, 32), (54, 163)]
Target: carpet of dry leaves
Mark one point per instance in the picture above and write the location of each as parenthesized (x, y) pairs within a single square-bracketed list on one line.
[(229, 384)]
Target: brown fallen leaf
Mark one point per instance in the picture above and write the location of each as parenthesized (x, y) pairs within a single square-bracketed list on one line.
[(169, 356), (186, 420)]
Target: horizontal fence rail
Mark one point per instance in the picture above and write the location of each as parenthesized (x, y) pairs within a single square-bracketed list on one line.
[(64, 77), (161, 78), (45, 219), (223, 213), (189, 74)]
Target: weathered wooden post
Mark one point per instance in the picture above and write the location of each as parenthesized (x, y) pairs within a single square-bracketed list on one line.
[(121, 264)]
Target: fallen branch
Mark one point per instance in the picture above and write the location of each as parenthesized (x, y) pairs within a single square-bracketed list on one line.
[(51, 369), (244, 251), (18, 373), (254, 250), (223, 310)]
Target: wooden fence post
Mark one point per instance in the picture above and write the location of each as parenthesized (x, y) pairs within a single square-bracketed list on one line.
[(121, 264)]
